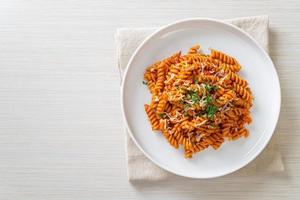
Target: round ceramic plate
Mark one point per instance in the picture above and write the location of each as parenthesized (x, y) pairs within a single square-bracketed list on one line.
[(257, 69)]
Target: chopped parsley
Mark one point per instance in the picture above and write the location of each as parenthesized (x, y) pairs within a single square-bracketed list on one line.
[(162, 115), (210, 88), (186, 108), (193, 96), (186, 113), (211, 110), (208, 99), (186, 105), (145, 83)]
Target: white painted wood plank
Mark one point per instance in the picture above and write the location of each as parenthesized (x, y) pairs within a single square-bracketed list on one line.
[(61, 133)]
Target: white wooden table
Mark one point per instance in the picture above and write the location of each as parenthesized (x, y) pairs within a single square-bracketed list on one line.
[(61, 133)]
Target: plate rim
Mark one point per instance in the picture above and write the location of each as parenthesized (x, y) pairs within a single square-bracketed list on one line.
[(161, 29)]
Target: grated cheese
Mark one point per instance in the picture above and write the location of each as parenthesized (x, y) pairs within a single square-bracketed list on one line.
[(198, 137), (200, 124), (171, 77), (222, 79)]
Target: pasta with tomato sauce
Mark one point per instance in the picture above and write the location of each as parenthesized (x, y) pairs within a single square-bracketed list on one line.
[(198, 100)]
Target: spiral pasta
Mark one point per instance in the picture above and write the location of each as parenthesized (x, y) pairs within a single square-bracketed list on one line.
[(198, 101)]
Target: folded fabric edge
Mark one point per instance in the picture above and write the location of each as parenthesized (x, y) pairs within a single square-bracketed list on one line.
[(119, 31)]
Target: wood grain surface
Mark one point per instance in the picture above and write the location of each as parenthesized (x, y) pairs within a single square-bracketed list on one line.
[(61, 132)]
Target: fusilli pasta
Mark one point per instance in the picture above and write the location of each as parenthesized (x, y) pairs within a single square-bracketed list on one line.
[(198, 100)]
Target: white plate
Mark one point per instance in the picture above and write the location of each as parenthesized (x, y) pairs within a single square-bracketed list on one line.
[(258, 69)]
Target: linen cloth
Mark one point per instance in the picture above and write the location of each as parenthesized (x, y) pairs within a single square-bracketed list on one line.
[(139, 167)]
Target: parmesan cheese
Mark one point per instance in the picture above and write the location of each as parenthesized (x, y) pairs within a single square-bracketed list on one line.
[(200, 124)]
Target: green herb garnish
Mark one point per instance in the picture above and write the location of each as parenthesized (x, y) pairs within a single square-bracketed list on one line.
[(186, 105), (145, 83), (210, 88), (211, 110), (193, 96), (208, 99), (186, 113), (162, 115)]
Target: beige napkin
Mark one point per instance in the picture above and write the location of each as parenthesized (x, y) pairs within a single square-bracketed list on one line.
[(141, 168)]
